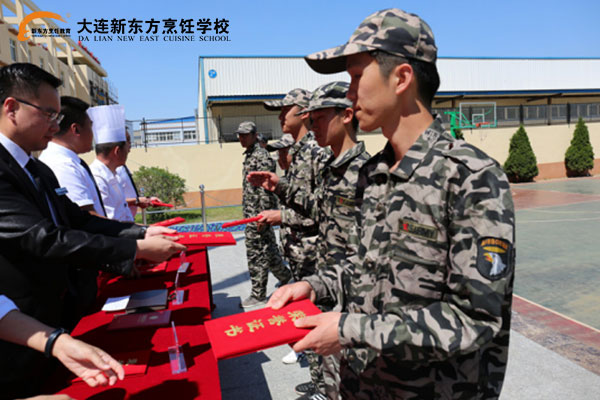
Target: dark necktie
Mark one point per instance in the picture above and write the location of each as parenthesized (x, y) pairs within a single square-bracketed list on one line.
[(41, 188), (137, 194), (89, 171)]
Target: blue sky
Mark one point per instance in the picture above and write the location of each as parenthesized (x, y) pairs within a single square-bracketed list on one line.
[(159, 79)]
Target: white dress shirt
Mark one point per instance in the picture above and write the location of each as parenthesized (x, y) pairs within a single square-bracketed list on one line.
[(110, 187), (127, 188), (67, 167), (6, 306)]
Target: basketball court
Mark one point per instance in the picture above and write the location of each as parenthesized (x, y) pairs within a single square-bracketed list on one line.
[(557, 299)]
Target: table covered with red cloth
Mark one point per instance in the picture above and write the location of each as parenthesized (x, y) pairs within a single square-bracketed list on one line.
[(202, 377)]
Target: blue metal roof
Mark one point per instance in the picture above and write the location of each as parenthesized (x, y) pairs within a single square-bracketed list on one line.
[(165, 121)]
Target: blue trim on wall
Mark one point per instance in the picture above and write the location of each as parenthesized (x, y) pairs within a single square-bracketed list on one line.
[(204, 108), (216, 99), (163, 121)]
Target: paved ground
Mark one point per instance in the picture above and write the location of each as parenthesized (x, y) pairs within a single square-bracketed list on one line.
[(534, 371), (555, 341)]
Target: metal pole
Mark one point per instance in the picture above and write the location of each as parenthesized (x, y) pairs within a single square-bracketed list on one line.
[(203, 206), (143, 209)]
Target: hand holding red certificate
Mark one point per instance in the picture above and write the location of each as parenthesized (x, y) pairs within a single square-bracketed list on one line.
[(257, 330), (157, 203), (241, 221), (169, 222), (203, 239)]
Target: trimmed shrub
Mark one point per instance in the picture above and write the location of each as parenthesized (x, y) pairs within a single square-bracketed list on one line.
[(579, 158), (521, 164), (163, 184)]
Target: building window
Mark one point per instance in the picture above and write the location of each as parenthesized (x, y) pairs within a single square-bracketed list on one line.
[(41, 63), (13, 50), (189, 134), (512, 113)]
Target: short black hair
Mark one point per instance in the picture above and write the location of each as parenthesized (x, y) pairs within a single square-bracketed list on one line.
[(24, 79), (74, 111), (428, 79), (354, 122), (106, 148)]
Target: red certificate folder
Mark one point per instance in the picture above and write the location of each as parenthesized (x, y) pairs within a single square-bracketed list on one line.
[(202, 239), (134, 362), (141, 320), (241, 221), (160, 204), (169, 222), (245, 333)]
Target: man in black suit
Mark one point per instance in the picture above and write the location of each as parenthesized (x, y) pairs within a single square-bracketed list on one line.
[(43, 233)]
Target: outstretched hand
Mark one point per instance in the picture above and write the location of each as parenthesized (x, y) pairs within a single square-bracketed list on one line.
[(264, 179), (269, 217), (90, 363), (286, 293)]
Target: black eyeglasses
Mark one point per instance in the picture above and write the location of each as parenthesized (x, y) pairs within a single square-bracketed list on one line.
[(53, 116)]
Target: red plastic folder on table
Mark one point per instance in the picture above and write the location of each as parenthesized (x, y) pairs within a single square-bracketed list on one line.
[(134, 362), (169, 222), (249, 332), (203, 239)]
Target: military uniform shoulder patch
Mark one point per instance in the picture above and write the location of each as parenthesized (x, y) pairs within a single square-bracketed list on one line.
[(494, 257)]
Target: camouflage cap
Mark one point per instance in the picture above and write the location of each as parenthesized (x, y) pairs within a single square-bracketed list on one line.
[(329, 95), (298, 97), (392, 30), (246, 127), (286, 140)]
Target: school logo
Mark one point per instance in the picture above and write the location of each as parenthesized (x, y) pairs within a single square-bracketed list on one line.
[(30, 17), (494, 257)]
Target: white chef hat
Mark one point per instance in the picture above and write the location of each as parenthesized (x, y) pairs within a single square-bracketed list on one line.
[(108, 123)]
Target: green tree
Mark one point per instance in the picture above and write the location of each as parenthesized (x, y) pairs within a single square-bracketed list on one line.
[(579, 158), (521, 164), (161, 183)]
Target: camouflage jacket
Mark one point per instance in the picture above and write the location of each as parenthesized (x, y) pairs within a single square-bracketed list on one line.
[(298, 233), (255, 199), (429, 275), (333, 204), (301, 176)]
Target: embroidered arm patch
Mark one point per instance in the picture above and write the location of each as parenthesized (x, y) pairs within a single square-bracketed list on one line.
[(494, 257)]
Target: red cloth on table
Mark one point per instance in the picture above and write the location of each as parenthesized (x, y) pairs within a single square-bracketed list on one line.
[(202, 378), (249, 332)]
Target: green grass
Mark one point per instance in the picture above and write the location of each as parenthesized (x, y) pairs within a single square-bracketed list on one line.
[(195, 217)]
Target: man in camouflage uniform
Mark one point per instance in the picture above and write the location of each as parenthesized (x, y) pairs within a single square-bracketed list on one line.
[(261, 247), (428, 281), (298, 233), (332, 205)]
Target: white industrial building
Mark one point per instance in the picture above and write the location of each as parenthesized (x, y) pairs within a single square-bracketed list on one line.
[(532, 91)]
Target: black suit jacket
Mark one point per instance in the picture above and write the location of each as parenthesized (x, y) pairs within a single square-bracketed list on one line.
[(37, 254)]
